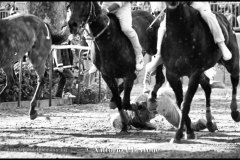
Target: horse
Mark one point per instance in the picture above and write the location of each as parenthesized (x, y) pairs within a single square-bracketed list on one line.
[(115, 56), (188, 49), (21, 34)]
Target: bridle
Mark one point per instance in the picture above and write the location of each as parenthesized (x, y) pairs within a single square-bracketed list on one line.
[(92, 14)]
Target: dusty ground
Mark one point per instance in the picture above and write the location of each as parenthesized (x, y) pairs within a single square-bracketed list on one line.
[(85, 131)]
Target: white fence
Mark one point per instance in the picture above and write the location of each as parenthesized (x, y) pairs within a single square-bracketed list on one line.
[(6, 13)]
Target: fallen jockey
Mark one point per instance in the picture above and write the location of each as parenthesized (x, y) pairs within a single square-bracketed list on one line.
[(165, 106)]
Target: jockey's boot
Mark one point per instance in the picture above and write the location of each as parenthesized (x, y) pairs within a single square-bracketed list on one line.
[(139, 62), (146, 83), (227, 55), (147, 80)]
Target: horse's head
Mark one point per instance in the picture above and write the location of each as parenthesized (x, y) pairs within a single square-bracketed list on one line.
[(82, 12), (172, 4)]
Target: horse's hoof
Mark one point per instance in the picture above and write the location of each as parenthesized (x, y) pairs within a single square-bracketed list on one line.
[(33, 115), (190, 136), (179, 134), (212, 127), (122, 133), (112, 105), (235, 116), (173, 140)]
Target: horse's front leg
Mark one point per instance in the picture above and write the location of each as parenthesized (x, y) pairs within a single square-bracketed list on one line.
[(234, 107), (128, 84), (10, 80), (207, 89), (176, 84), (116, 100), (38, 92), (160, 79), (185, 119)]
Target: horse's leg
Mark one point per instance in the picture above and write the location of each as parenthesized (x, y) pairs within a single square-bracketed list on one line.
[(40, 70), (233, 68), (235, 80), (116, 100), (235, 113), (10, 80), (185, 119), (176, 84), (160, 79), (128, 84), (38, 56), (207, 89)]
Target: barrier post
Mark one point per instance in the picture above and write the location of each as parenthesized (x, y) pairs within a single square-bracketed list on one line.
[(99, 95), (50, 76), (20, 83), (79, 71)]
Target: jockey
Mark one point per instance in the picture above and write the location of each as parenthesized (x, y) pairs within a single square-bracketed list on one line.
[(210, 18), (124, 13), (165, 106)]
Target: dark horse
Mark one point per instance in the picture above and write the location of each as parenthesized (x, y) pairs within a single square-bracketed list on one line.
[(188, 49), (115, 56), (21, 34)]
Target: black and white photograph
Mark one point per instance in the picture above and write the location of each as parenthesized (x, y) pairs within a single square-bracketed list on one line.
[(119, 79)]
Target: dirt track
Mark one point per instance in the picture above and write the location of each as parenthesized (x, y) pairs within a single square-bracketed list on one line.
[(85, 131)]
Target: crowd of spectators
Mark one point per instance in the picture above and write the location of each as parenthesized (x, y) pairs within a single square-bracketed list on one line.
[(230, 9), (7, 9)]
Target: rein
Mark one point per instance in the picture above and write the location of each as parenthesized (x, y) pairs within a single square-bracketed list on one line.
[(87, 21)]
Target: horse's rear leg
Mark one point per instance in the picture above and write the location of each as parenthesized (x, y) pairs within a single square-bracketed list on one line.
[(160, 79), (10, 80), (116, 100), (207, 89)]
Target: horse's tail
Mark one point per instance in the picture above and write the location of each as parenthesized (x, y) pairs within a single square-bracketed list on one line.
[(58, 38)]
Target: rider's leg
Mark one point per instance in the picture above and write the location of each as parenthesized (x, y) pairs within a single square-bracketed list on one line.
[(216, 31), (125, 19), (157, 59)]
